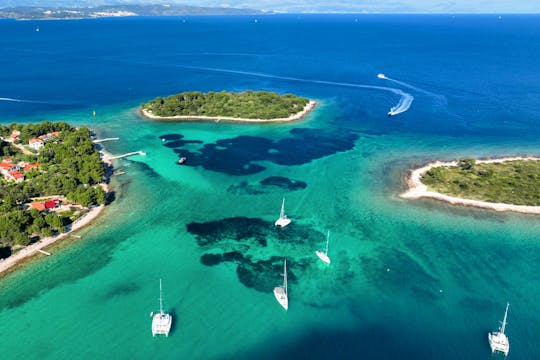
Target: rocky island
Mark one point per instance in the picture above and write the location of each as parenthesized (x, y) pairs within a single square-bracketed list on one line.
[(247, 106)]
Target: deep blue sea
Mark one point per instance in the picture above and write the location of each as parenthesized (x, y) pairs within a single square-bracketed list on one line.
[(408, 279)]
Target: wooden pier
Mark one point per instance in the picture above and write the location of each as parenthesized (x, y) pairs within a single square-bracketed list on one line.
[(128, 154), (44, 252), (97, 141)]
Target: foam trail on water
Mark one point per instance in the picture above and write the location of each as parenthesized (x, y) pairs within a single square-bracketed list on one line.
[(441, 98), (10, 99), (53, 103), (403, 105), (20, 100)]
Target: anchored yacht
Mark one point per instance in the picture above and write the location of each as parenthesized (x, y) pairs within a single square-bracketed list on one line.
[(161, 322), (497, 339), (324, 255), (280, 292), (283, 219)]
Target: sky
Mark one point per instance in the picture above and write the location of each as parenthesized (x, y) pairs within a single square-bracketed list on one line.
[(307, 6)]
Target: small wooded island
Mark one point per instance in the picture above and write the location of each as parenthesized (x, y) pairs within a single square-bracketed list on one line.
[(52, 175), (499, 184), (249, 106)]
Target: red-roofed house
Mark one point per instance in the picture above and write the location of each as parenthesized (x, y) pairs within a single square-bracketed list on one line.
[(7, 167), (14, 175), (14, 135), (36, 143), (38, 206), (51, 204), (7, 160), (29, 167)]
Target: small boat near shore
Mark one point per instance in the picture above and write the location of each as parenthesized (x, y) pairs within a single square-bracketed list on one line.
[(182, 160)]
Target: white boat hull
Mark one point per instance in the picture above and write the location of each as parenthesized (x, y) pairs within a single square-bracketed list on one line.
[(161, 324), (281, 297), (282, 222), (324, 258), (499, 342)]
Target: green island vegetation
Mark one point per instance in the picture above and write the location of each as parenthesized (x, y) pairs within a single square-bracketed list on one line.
[(46, 188), (510, 182), (248, 104)]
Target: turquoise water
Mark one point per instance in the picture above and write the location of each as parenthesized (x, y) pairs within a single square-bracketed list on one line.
[(408, 279)]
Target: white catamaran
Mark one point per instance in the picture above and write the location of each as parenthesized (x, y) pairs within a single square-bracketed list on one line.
[(161, 322), (324, 255), (283, 219), (497, 339), (280, 292)]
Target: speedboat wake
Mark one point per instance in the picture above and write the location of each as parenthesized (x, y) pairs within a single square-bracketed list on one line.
[(403, 105), (440, 98)]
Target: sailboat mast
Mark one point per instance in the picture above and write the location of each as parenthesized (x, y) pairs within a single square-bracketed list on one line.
[(327, 239), (282, 212), (503, 326), (160, 298), (285, 276)]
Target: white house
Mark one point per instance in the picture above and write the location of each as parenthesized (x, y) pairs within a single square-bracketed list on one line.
[(36, 143)]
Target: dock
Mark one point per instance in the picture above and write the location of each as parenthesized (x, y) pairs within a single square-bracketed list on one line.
[(97, 141), (44, 252), (128, 154)]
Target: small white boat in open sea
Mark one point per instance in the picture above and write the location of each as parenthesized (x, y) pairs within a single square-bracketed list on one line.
[(161, 322), (283, 219), (497, 339), (324, 255), (280, 292)]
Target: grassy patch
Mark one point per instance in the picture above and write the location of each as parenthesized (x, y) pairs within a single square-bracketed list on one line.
[(510, 182)]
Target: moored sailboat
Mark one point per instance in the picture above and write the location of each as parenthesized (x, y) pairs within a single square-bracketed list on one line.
[(283, 219), (324, 255), (497, 339), (161, 322), (280, 292)]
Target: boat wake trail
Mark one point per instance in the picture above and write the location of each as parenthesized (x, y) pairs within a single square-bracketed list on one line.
[(49, 103), (440, 98), (21, 101), (403, 105)]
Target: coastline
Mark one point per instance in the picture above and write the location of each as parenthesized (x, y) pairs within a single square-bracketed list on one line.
[(299, 115), (417, 189), (30, 250)]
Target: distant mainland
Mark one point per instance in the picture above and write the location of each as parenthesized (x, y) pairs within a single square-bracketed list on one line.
[(119, 10), (246, 106), (505, 184)]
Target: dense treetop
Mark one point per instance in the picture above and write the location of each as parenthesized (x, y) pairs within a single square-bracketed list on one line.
[(509, 182), (248, 104), (70, 167)]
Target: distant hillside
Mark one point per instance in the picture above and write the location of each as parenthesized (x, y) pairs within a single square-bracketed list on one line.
[(54, 13)]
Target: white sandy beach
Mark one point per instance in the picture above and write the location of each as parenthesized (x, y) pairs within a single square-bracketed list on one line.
[(417, 189), (32, 249), (309, 106)]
